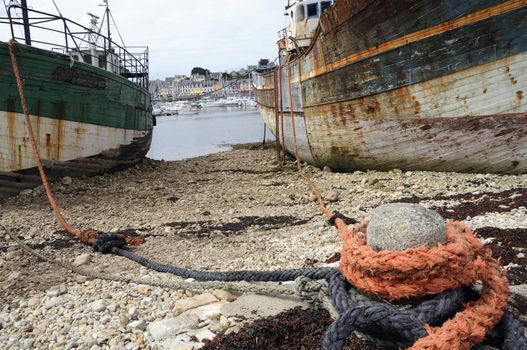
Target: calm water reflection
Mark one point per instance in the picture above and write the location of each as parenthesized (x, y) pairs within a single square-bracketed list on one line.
[(210, 131)]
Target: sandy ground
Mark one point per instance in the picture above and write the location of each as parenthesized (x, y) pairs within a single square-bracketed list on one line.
[(227, 211)]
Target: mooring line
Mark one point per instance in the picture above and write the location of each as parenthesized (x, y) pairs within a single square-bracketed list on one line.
[(87, 236), (196, 286)]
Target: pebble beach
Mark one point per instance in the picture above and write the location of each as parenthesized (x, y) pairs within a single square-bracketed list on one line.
[(234, 210)]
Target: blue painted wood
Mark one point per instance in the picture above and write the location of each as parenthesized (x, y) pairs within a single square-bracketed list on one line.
[(483, 42), (382, 21)]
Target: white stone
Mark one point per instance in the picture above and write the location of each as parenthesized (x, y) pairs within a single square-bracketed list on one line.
[(257, 306), (183, 346), (204, 334), (175, 342), (33, 302), (234, 329), (137, 325), (82, 259), (224, 295), (333, 196), (167, 328), (190, 321), (183, 305), (111, 306), (520, 290), (98, 306), (66, 181), (210, 311), (224, 323), (28, 343), (55, 291), (55, 301)]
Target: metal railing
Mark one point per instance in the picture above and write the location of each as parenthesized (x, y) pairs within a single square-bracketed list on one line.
[(59, 34)]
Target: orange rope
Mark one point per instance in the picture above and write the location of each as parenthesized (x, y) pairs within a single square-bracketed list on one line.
[(276, 114), (416, 272), (88, 236), (36, 154), (281, 94), (310, 183), (292, 112)]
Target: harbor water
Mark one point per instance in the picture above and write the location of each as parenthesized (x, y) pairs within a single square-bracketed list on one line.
[(211, 130)]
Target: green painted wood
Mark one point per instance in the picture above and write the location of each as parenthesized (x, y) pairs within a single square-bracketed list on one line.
[(80, 93)]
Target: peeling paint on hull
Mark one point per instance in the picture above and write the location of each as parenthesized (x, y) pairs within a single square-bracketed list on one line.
[(57, 140), (109, 160), (452, 99)]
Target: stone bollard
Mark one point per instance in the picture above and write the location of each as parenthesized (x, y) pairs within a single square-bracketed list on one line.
[(400, 226)]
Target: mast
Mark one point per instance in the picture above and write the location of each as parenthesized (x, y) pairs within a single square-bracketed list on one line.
[(25, 16), (108, 25)]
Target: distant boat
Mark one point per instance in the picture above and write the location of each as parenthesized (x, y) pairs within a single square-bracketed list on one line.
[(187, 108), (248, 102), (233, 101), (414, 85), (213, 103), (164, 111), (87, 98)]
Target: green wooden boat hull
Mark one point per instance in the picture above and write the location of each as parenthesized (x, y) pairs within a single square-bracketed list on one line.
[(86, 120)]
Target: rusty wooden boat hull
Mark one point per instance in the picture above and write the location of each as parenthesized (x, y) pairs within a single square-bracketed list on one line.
[(86, 120), (413, 85)]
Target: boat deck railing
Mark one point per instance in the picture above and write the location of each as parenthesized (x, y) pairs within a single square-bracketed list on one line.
[(59, 34)]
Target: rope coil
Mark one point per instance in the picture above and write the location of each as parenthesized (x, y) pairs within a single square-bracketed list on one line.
[(417, 272)]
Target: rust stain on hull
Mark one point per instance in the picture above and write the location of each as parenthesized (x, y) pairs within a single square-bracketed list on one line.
[(121, 157), (59, 139), (11, 136), (48, 146)]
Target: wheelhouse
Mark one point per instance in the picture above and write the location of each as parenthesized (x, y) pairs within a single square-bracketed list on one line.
[(304, 16)]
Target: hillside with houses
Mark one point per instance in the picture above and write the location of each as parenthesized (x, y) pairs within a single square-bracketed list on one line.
[(201, 82)]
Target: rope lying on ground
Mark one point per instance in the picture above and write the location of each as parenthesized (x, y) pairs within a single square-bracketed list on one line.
[(462, 260), (378, 319), (87, 236), (382, 322), (191, 286)]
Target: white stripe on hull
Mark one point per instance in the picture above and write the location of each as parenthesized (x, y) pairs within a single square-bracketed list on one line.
[(60, 140)]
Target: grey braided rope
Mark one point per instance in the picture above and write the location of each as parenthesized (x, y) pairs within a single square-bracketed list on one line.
[(191, 286), (373, 318)]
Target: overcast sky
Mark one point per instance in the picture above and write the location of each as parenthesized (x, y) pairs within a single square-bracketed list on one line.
[(220, 35)]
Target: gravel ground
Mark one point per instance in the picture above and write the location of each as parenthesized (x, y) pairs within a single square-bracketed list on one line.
[(225, 211)]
